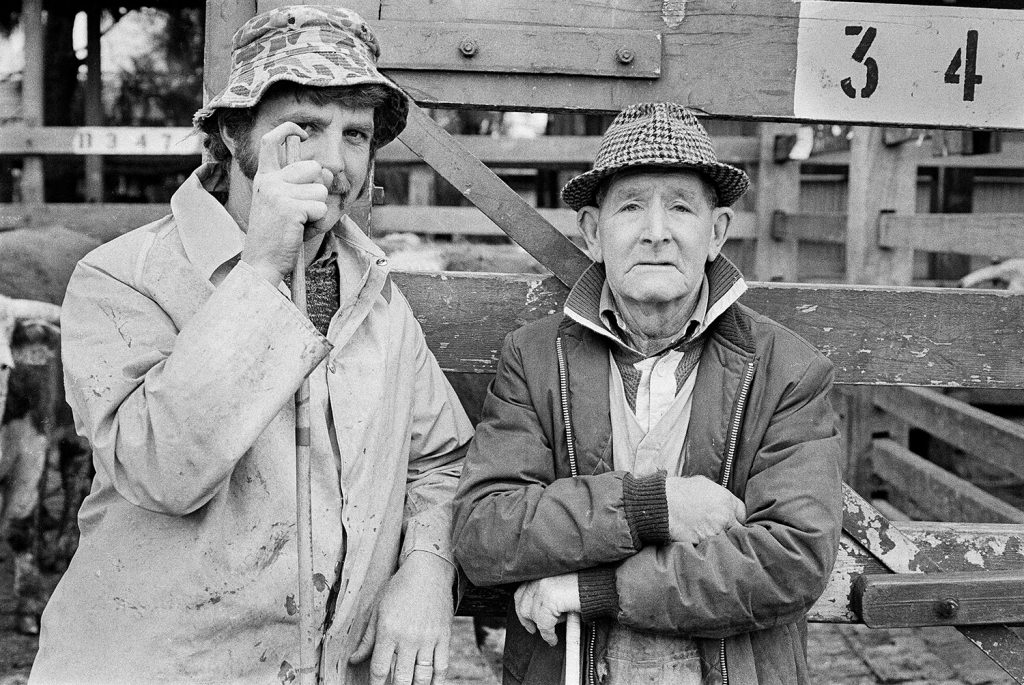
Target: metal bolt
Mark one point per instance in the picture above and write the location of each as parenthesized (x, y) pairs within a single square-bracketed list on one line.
[(947, 608), (468, 47), (625, 55)]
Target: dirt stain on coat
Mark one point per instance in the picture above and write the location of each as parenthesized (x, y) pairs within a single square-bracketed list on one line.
[(287, 673)]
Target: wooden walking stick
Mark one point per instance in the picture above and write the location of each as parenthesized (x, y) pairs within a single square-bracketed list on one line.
[(303, 496), (572, 649)]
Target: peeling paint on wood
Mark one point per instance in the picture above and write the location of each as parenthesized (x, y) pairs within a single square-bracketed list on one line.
[(673, 12), (894, 549)]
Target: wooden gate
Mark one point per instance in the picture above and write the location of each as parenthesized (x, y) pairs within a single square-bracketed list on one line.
[(883, 68)]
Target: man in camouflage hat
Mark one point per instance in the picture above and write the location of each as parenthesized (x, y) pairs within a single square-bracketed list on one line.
[(182, 354)]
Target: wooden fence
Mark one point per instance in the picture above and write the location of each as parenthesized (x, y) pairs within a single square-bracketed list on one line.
[(747, 59)]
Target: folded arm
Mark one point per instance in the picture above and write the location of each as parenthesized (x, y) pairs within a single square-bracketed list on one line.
[(764, 573)]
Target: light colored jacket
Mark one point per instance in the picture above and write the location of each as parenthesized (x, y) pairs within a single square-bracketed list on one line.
[(181, 364)]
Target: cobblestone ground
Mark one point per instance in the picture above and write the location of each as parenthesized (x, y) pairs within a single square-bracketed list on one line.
[(838, 655)]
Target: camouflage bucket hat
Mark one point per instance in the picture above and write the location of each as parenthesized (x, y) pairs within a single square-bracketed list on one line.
[(312, 46), (658, 134)]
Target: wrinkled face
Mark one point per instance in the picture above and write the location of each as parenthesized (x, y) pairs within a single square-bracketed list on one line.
[(655, 231), (339, 138)]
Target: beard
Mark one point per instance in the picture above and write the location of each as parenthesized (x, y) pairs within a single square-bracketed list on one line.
[(247, 157)]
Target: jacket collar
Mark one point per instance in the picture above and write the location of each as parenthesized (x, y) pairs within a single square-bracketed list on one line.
[(208, 233), (724, 283)]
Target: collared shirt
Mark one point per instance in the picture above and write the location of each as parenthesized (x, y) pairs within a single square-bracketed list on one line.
[(652, 382)]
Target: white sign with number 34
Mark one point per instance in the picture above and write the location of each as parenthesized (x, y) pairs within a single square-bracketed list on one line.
[(929, 66)]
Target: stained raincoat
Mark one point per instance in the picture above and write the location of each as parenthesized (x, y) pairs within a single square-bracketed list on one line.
[(181, 364)]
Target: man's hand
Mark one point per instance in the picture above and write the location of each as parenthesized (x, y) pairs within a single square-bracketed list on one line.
[(284, 199), (542, 604), (411, 625), (699, 508)]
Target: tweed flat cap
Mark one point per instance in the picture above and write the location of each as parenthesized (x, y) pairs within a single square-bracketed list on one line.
[(312, 46), (659, 134)]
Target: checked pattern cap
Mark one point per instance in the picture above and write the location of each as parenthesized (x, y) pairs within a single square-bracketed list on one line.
[(312, 46), (660, 134)]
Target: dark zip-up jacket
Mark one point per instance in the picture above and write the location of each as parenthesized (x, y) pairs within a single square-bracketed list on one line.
[(761, 421)]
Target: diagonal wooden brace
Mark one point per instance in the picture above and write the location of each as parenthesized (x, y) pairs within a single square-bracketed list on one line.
[(490, 195), (899, 554)]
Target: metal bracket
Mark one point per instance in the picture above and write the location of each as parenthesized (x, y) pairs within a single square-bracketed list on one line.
[(519, 48)]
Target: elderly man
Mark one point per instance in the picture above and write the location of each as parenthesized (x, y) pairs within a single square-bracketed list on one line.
[(658, 457), (183, 353)]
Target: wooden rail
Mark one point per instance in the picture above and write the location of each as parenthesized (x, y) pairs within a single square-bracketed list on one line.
[(974, 234), (987, 437), (873, 335), (926, 491)]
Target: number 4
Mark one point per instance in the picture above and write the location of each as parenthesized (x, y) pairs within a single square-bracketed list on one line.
[(971, 76)]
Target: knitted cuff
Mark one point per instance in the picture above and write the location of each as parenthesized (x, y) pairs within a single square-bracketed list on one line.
[(646, 508), (598, 593)]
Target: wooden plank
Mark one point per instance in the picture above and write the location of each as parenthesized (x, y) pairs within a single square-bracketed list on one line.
[(882, 179), (778, 191), (901, 554), (101, 221), (557, 152), (99, 140), (974, 234), (939, 599), (921, 488), (989, 438), (928, 159), (32, 100), (484, 189), (1004, 397), (105, 221), (873, 335), (1006, 159), (992, 548), (464, 221), (702, 67), (469, 221), (223, 18), (817, 227), (525, 49)]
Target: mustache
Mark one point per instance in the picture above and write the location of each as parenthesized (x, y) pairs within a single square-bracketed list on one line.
[(340, 186)]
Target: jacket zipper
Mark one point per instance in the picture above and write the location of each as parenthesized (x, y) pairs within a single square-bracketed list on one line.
[(730, 455), (570, 441), (563, 386)]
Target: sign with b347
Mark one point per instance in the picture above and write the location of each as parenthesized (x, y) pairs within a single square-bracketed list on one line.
[(135, 140), (943, 66)]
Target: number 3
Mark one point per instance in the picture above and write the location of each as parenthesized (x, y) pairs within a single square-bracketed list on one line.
[(869, 64)]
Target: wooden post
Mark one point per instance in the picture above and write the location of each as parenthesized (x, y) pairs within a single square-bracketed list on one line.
[(94, 103), (883, 178), (223, 17), (421, 185), (778, 189), (32, 96)]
